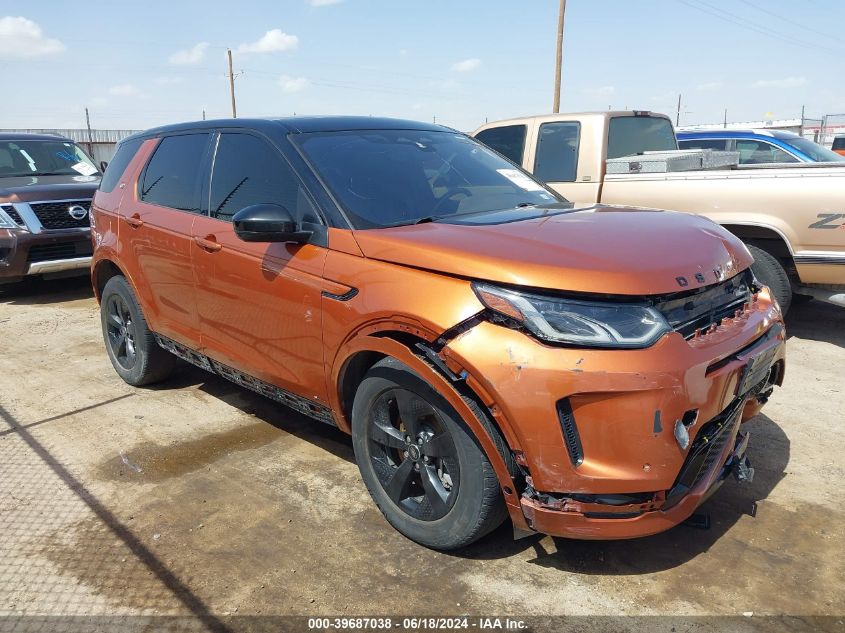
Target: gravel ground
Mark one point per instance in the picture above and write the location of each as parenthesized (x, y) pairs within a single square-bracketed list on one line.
[(198, 498)]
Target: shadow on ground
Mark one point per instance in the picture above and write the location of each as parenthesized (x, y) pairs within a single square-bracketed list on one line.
[(327, 437), (38, 291), (640, 556), (817, 321)]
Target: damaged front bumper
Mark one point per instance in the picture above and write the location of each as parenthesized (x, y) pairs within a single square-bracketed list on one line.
[(621, 444), (719, 453)]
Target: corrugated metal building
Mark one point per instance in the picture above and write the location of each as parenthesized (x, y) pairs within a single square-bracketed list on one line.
[(99, 145)]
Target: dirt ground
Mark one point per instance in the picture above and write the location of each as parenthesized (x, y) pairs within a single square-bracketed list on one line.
[(199, 498)]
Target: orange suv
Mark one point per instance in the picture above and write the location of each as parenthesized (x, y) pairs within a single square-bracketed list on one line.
[(492, 350)]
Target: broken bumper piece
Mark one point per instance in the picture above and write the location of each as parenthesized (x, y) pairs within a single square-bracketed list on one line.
[(719, 451)]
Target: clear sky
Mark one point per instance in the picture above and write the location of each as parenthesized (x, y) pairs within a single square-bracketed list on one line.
[(139, 64)]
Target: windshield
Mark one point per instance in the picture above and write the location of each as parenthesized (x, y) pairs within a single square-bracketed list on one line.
[(813, 150), (630, 135), (394, 177), (44, 158)]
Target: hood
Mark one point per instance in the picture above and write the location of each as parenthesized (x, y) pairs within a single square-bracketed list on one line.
[(607, 250), (34, 188)]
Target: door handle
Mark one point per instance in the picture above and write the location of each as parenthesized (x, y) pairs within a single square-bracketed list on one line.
[(208, 243), (134, 221)]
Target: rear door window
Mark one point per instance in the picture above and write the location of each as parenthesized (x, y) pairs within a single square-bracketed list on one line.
[(508, 140), (125, 153), (171, 178), (703, 143), (631, 135), (557, 151), (753, 152), (247, 171)]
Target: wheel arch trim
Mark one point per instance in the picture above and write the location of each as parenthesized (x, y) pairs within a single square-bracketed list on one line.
[(768, 227), (381, 342)]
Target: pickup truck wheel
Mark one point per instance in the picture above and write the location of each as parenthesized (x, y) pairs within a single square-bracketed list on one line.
[(420, 463), (769, 271), (131, 347)]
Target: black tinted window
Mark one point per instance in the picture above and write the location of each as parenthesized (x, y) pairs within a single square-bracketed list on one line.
[(119, 162), (172, 176), (392, 177), (249, 171), (509, 141), (703, 143), (630, 135), (557, 152), (839, 142)]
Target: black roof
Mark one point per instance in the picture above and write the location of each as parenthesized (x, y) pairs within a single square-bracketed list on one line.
[(24, 136), (301, 124)]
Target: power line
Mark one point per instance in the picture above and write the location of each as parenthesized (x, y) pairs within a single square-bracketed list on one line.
[(747, 24), (791, 22), (744, 23)]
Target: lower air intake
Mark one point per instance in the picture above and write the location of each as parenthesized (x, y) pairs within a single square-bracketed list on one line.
[(570, 432)]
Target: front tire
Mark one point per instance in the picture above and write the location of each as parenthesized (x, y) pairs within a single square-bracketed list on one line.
[(131, 346), (420, 463), (769, 271)]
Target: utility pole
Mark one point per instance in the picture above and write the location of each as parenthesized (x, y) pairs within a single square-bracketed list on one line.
[(232, 84), (203, 114), (726, 118), (801, 127), (559, 57), (678, 115), (90, 136)]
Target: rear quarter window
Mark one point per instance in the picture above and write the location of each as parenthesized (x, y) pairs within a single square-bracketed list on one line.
[(703, 143), (557, 151), (508, 140), (171, 178), (120, 161)]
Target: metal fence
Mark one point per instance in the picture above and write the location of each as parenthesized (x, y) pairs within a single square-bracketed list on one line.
[(832, 125)]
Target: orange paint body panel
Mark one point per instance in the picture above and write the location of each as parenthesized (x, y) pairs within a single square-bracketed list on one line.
[(300, 317), (610, 250), (625, 408)]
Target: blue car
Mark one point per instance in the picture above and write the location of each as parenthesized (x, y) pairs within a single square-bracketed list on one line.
[(757, 147)]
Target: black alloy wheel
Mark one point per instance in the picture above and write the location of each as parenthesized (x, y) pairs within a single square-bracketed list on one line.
[(131, 346), (120, 330), (420, 461), (413, 455)]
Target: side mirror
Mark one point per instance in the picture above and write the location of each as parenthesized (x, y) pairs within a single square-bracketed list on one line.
[(103, 165), (268, 223)]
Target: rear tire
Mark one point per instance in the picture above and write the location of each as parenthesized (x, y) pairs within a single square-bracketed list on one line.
[(437, 488), (131, 346), (770, 272)]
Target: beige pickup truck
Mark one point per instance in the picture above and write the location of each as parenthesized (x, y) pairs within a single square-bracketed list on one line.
[(791, 218)]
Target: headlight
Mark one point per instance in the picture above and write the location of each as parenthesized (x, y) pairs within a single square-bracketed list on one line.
[(586, 323)]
